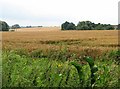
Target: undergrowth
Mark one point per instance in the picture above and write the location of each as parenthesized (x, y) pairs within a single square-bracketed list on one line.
[(54, 69)]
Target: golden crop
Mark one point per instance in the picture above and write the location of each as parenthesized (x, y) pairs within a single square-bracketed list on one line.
[(53, 37)]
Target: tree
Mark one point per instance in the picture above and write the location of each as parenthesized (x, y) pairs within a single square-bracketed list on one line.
[(85, 25), (4, 26), (99, 27), (68, 26), (15, 26), (71, 26), (64, 25), (109, 27), (104, 27)]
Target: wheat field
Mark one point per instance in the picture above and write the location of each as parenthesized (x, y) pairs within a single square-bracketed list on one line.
[(53, 37)]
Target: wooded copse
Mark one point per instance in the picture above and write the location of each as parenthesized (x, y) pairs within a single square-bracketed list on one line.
[(86, 25)]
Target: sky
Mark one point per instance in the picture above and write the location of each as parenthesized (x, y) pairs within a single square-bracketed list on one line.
[(56, 12)]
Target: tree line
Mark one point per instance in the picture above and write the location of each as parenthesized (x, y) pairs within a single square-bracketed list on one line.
[(5, 27), (86, 25), (82, 25)]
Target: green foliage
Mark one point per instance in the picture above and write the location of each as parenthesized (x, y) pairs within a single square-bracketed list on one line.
[(80, 73), (115, 55), (21, 70), (86, 25), (64, 25), (104, 27), (90, 61), (4, 26), (118, 56), (68, 26), (107, 72), (93, 69)]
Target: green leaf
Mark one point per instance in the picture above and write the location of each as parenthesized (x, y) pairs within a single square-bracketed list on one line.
[(77, 66), (90, 61), (94, 69), (80, 72)]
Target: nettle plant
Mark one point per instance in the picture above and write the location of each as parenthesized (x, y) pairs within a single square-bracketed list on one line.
[(93, 70)]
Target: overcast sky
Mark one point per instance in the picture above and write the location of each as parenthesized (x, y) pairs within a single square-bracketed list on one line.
[(55, 12)]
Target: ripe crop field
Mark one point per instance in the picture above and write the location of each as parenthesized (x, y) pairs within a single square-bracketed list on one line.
[(44, 38), (49, 57)]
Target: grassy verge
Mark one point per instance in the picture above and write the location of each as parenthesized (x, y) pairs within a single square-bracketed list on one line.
[(53, 69)]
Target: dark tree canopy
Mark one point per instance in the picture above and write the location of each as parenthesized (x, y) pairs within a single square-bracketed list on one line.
[(68, 26), (71, 26), (15, 26), (4, 26), (86, 25), (64, 25)]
